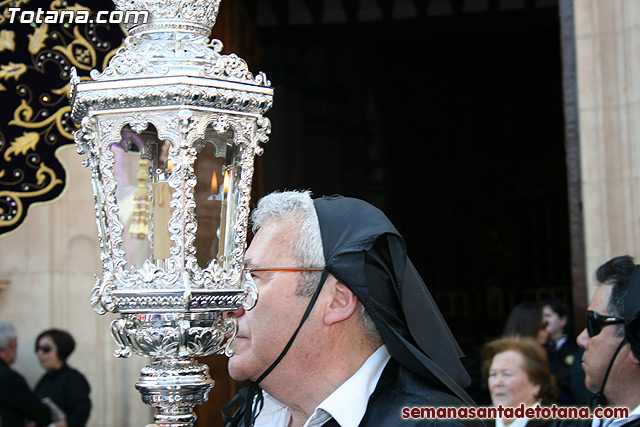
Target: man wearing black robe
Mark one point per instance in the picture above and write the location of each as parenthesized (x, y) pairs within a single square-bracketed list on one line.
[(342, 315), (17, 403)]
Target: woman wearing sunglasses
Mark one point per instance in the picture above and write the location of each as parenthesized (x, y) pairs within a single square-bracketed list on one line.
[(65, 389)]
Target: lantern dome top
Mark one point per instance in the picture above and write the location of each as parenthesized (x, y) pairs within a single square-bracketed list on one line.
[(196, 16), (174, 41)]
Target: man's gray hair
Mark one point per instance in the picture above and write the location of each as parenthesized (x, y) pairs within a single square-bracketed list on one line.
[(7, 333), (296, 210)]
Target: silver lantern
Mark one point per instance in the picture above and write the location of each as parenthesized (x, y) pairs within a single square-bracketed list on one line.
[(170, 130)]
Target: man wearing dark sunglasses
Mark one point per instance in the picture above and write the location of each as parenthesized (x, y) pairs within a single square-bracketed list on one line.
[(344, 333), (17, 403), (612, 340)]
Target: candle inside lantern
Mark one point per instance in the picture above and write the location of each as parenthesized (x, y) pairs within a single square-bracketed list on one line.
[(223, 221), (162, 212), (139, 227), (214, 187)]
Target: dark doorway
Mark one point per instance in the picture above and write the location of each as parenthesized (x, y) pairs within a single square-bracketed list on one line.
[(452, 123)]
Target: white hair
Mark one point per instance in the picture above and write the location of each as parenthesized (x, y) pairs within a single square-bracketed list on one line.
[(296, 210), (7, 333)]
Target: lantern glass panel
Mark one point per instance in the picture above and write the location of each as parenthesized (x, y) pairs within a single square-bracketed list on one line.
[(141, 169), (233, 171), (213, 191), (209, 196), (132, 179)]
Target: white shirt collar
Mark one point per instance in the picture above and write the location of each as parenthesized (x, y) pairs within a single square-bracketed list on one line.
[(347, 404), (561, 342), (608, 422), (518, 422)]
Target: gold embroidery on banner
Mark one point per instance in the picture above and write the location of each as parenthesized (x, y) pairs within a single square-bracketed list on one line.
[(7, 40), (15, 198), (7, 4), (22, 144), (79, 52), (59, 4), (37, 39), (31, 55), (27, 112), (12, 70)]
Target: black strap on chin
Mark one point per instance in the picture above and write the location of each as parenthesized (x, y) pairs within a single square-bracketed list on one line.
[(250, 397), (599, 399)]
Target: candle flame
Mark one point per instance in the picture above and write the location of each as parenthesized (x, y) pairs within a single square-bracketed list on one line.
[(214, 183), (169, 165), (225, 184)]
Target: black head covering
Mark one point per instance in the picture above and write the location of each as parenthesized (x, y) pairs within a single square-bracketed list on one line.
[(364, 251), (632, 312)]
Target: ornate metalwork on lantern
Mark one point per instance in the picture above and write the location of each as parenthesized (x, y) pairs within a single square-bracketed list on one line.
[(170, 130)]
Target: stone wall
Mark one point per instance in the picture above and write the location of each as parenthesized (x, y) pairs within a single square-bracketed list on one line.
[(608, 69)]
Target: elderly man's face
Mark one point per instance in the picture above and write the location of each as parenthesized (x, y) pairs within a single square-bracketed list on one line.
[(600, 348), (264, 331)]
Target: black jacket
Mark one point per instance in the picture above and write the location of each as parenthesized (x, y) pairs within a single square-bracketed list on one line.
[(69, 390), (17, 402), (399, 388), (565, 366)]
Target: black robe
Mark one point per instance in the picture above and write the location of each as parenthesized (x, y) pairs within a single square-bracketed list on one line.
[(400, 388), (17, 402), (565, 366), (69, 390)]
